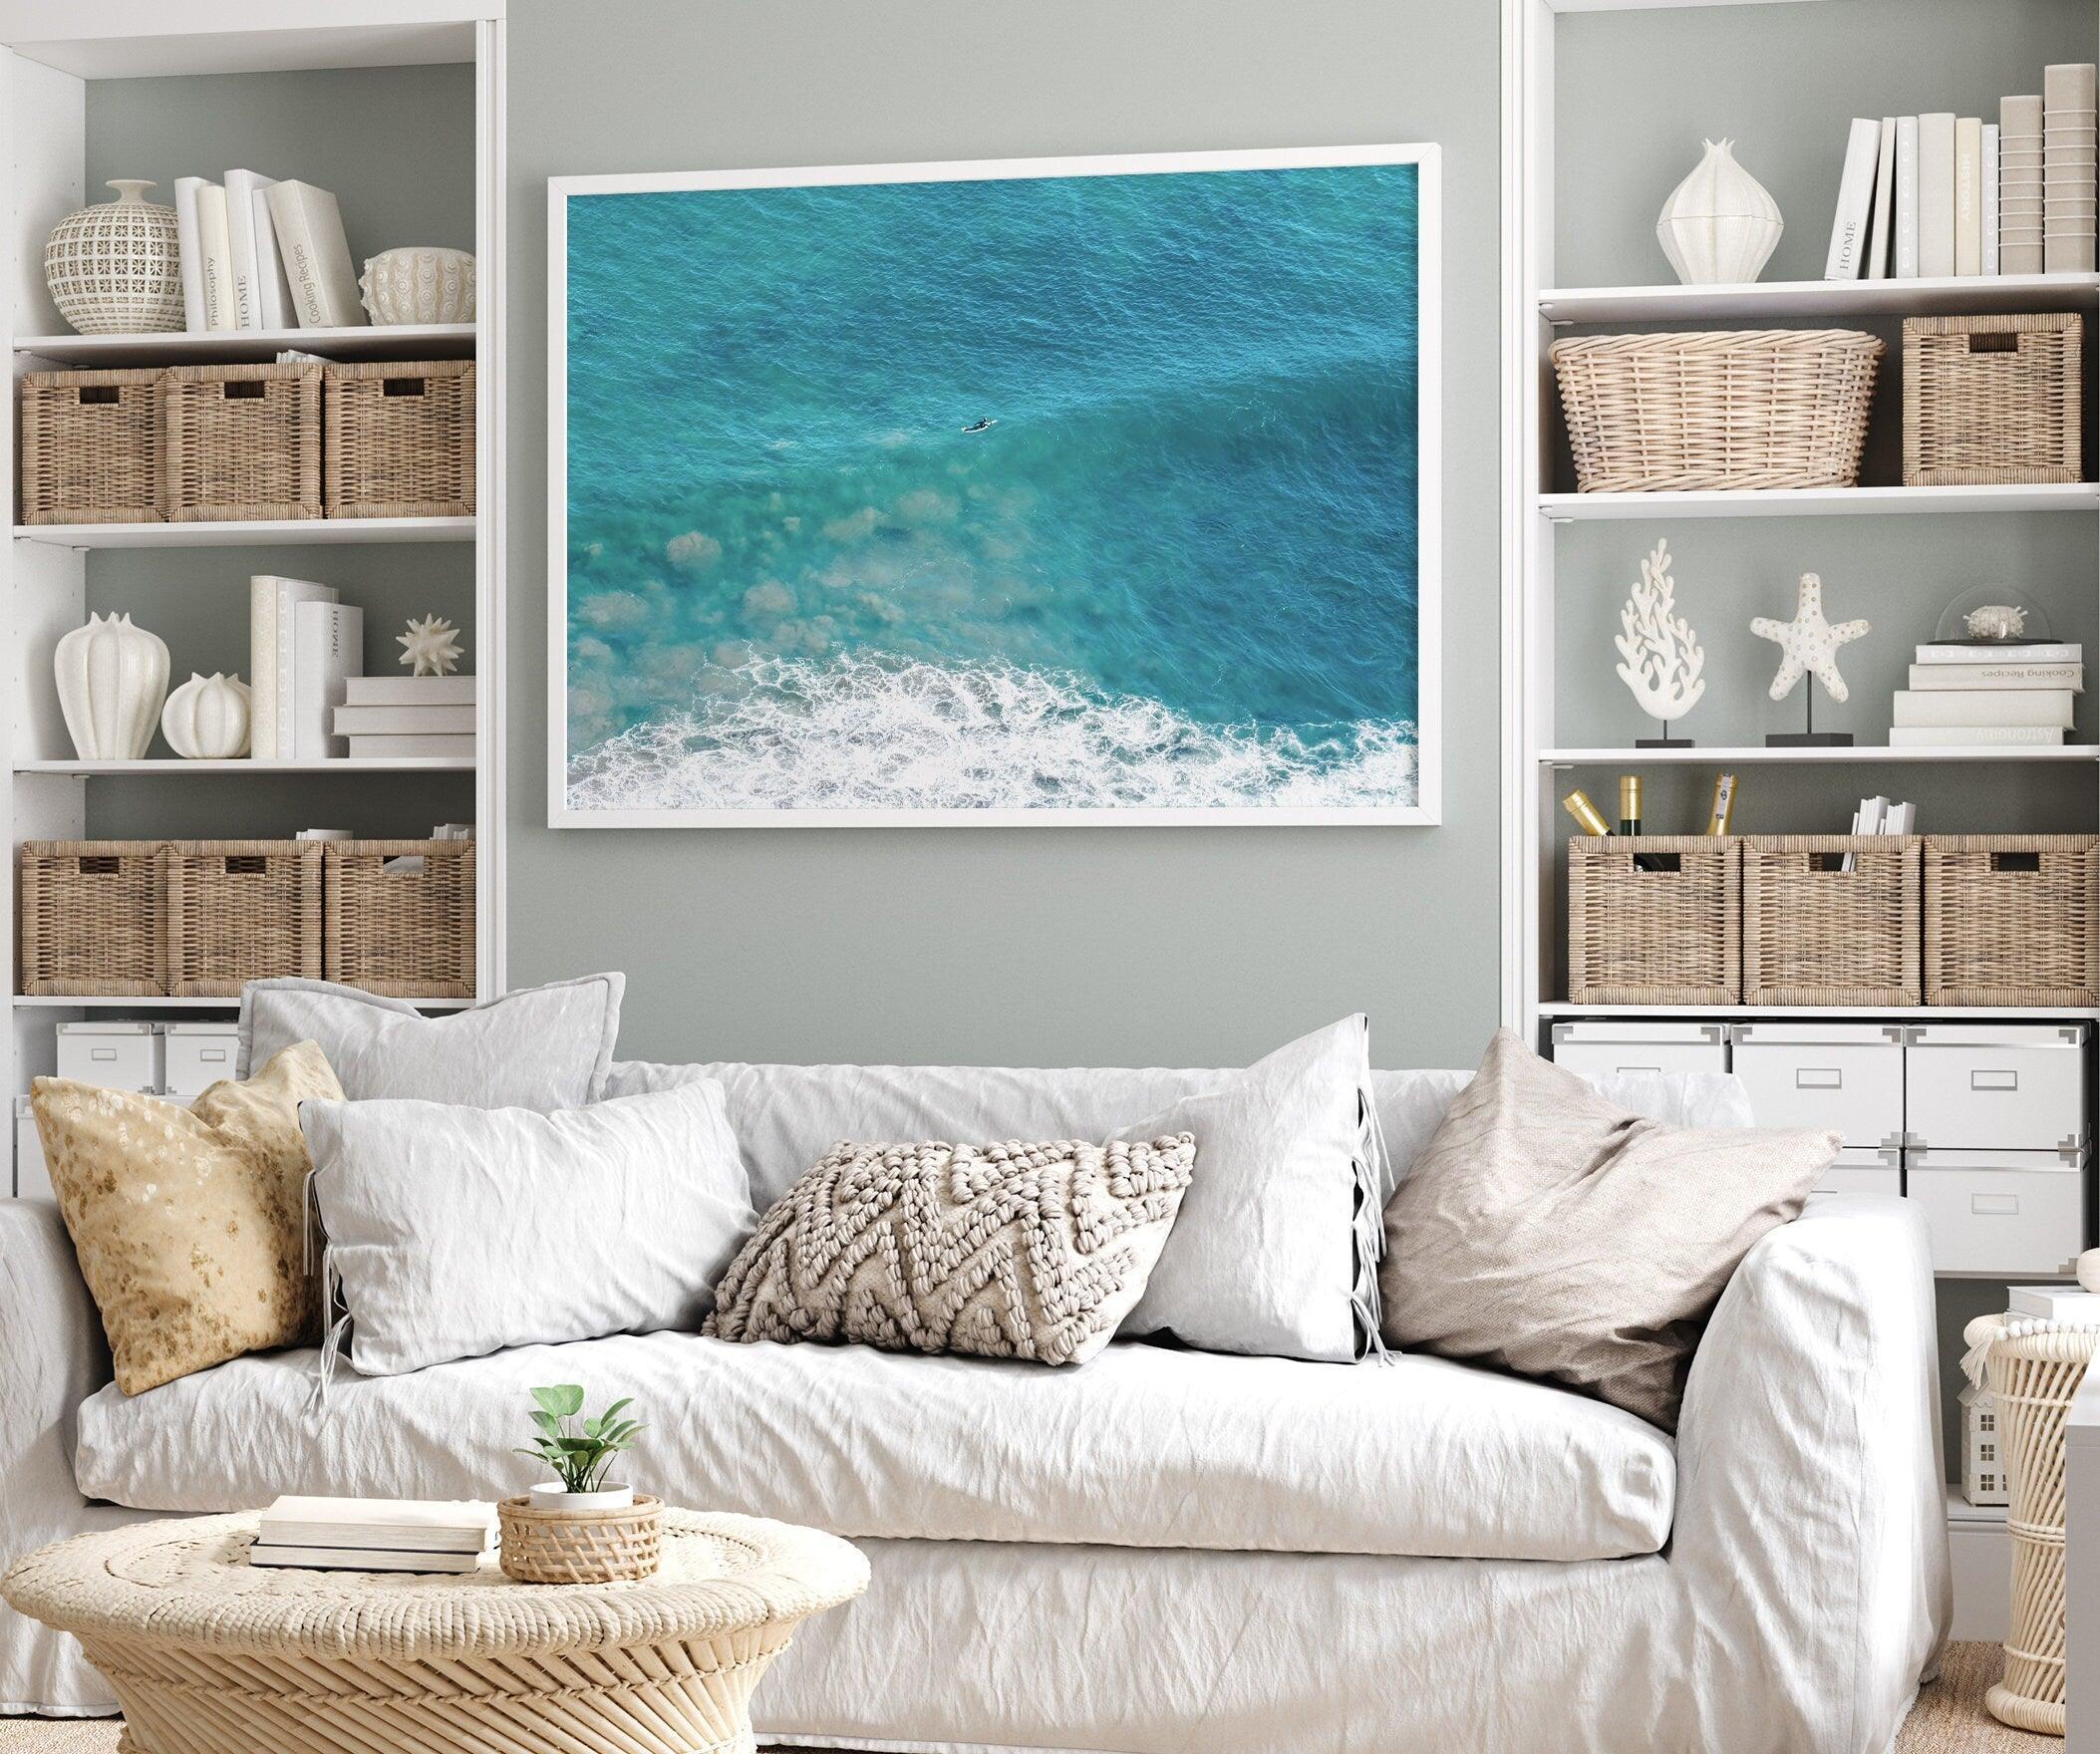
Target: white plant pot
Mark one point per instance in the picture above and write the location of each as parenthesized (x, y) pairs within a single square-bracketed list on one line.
[(1720, 225), (112, 678), (550, 1494)]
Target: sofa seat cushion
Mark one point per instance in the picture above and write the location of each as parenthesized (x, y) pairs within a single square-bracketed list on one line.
[(1145, 1447)]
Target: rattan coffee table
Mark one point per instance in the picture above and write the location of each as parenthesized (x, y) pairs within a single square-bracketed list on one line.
[(211, 1656)]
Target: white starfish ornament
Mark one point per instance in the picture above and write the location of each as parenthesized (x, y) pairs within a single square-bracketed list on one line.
[(1808, 643), (431, 647)]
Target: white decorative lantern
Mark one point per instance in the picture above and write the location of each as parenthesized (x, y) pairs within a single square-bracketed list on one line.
[(207, 718), (1720, 225), (116, 268), (112, 679)]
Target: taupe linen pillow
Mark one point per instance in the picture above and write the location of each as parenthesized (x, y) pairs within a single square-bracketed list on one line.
[(1550, 1233), (1002, 1251)]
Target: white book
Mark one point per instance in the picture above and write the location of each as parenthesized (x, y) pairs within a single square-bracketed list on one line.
[(388, 747), (1848, 229), (409, 690), (241, 248), (1878, 262), (2054, 1303), (2021, 153), (2006, 707), (214, 248), (1899, 819), (273, 290), (1935, 196), (316, 253), (262, 667), (1999, 676), (1969, 197), (1950, 737), (1990, 197), (1906, 197), (2069, 94), (403, 721), (271, 664), (409, 1524), (328, 646), (2024, 651), (190, 249), (360, 1559)]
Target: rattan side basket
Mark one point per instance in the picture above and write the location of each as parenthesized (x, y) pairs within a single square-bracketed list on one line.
[(580, 1547), (241, 911), (240, 442), (1671, 935), (401, 439), (407, 931), (1832, 919), (90, 917), (1992, 400), (90, 447), (2012, 919)]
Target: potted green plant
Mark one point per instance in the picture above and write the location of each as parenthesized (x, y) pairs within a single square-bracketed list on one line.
[(577, 1528), (579, 1451)]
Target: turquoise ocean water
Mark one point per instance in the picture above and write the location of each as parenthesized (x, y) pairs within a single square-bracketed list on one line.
[(1177, 567)]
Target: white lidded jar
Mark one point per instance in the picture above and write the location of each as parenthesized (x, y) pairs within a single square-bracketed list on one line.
[(1720, 225)]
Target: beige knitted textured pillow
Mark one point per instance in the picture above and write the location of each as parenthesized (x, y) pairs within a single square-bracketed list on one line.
[(188, 1221), (1002, 1251)]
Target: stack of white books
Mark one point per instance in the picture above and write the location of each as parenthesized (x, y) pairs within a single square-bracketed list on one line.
[(2054, 1303), (2003, 695), (257, 253), (374, 1535), (2069, 97), (391, 716), (2020, 204), (304, 643)]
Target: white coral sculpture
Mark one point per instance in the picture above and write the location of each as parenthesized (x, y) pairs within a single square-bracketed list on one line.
[(1663, 658), (431, 647)]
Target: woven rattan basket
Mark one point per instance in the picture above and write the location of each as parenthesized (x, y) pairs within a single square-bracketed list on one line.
[(401, 440), (1991, 400), (1818, 933), (90, 917), (90, 447), (241, 911), (1672, 935), (2012, 919), (580, 1547), (1726, 408), (407, 932), (240, 442)]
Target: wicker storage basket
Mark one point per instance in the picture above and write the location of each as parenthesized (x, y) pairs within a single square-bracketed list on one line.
[(90, 447), (2012, 919), (1815, 933), (90, 917), (580, 1547), (1726, 409), (401, 440), (1988, 400), (241, 911), (240, 442), (1669, 935), (407, 932)]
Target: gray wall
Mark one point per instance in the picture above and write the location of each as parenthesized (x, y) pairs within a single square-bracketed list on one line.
[(1043, 946)]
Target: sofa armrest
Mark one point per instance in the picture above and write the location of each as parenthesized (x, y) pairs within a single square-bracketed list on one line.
[(1809, 1464)]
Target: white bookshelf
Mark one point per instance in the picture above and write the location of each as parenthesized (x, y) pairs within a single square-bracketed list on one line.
[(2073, 496), (1858, 755), (48, 52)]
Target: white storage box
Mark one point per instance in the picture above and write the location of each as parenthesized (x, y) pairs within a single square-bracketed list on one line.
[(199, 1056), (1999, 1214), (1848, 1078), (1603, 1051), (1982, 1470), (2009, 1087), (1863, 1172), (116, 1056), (31, 1181)]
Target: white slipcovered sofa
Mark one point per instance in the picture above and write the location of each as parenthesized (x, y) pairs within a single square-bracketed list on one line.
[(1161, 1551)]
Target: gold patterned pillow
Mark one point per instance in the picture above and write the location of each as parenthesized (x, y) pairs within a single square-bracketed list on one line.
[(189, 1221), (1002, 1251)]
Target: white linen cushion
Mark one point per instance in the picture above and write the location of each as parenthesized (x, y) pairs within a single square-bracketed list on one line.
[(453, 1231), (1146, 1446), (545, 1048)]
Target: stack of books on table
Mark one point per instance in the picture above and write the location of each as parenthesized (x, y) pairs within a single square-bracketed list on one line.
[(2001, 694), (2054, 1303), (391, 717), (374, 1535)]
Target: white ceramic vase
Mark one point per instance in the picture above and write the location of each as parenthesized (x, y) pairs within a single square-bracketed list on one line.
[(116, 268), (207, 718), (418, 285), (551, 1494), (1720, 225), (112, 678)]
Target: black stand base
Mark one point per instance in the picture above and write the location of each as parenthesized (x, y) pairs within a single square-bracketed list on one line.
[(1664, 743), (1809, 740)]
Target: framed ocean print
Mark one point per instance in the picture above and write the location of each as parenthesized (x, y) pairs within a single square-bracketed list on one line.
[(1051, 491)]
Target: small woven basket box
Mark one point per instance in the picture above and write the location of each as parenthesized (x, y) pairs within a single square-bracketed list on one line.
[(546, 1546)]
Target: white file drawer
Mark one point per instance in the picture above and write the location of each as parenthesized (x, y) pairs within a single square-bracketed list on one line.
[(199, 1056), (1861, 1172), (31, 1181), (1844, 1076), (1999, 1213), (2013, 1087), (116, 1055), (1603, 1051)]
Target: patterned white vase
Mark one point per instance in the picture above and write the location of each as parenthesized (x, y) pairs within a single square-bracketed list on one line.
[(1720, 225), (112, 679), (116, 268), (418, 286)]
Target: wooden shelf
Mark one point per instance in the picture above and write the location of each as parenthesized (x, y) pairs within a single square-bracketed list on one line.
[(1780, 1014), (398, 341), (1777, 299), (1756, 753), (1817, 502), (147, 1001), (245, 765), (318, 531)]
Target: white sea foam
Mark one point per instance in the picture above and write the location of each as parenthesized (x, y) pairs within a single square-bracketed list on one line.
[(860, 733)]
